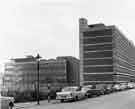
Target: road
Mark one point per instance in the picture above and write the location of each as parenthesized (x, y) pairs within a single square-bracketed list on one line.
[(119, 100)]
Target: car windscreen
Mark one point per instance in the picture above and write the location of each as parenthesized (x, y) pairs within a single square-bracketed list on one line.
[(85, 89)]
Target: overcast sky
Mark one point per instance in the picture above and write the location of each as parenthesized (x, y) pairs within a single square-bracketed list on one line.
[(50, 27)]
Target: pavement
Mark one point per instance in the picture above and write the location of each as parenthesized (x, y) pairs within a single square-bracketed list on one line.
[(31, 104), (119, 100)]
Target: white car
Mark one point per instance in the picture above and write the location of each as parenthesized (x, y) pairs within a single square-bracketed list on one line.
[(116, 87), (131, 85), (85, 90), (123, 86), (70, 93)]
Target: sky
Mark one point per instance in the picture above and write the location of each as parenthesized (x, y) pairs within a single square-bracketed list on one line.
[(50, 27)]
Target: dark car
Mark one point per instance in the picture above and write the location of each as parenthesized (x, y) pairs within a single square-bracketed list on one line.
[(92, 91)]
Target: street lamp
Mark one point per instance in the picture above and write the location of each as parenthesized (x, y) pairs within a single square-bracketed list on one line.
[(37, 58)]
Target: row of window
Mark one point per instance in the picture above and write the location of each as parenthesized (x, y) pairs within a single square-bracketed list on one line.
[(98, 69), (100, 54), (98, 33), (98, 77), (98, 62), (97, 47), (97, 40)]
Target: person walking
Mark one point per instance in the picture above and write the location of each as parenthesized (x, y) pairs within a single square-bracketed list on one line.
[(11, 105), (49, 96)]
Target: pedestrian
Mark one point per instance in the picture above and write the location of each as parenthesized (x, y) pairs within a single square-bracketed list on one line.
[(49, 96), (49, 93), (11, 105)]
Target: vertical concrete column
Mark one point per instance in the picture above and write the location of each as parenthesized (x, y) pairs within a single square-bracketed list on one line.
[(82, 27)]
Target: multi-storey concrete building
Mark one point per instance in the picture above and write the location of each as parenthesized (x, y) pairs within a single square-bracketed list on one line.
[(106, 55), (21, 73)]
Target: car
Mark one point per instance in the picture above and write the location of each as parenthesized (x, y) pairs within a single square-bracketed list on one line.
[(87, 86), (92, 91), (86, 89), (116, 87), (130, 85), (108, 89), (70, 93), (123, 86)]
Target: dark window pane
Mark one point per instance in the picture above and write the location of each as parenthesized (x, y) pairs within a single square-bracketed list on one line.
[(98, 69), (97, 47), (97, 40), (98, 77), (98, 54), (98, 62), (98, 33)]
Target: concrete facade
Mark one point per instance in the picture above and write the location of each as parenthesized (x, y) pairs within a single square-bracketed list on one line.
[(73, 75), (106, 56), (21, 73)]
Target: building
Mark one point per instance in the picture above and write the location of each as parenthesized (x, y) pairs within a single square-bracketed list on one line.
[(16, 75), (21, 73), (106, 55), (1, 81), (73, 75)]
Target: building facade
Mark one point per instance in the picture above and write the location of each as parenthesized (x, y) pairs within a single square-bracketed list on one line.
[(21, 73), (106, 55), (73, 75)]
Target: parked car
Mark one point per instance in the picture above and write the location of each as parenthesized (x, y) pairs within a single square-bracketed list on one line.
[(86, 89), (116, 87), (108, 89), (70, 93), (93, 91), (123, 86), (131, 85)]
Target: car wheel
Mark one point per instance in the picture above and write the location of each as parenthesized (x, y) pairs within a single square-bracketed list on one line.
[(62, 100), (86, 95), (89, 96), (76, 98)]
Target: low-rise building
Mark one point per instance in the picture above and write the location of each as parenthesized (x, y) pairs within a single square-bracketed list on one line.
[(21, 73)]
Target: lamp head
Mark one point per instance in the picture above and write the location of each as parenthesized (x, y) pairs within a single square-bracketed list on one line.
[(38, 56)]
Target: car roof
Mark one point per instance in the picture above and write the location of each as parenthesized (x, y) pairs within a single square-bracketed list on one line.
[(87, 86), (71, 87)]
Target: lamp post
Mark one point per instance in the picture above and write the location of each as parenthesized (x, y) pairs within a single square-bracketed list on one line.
[(49, 93), (37, 58)]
